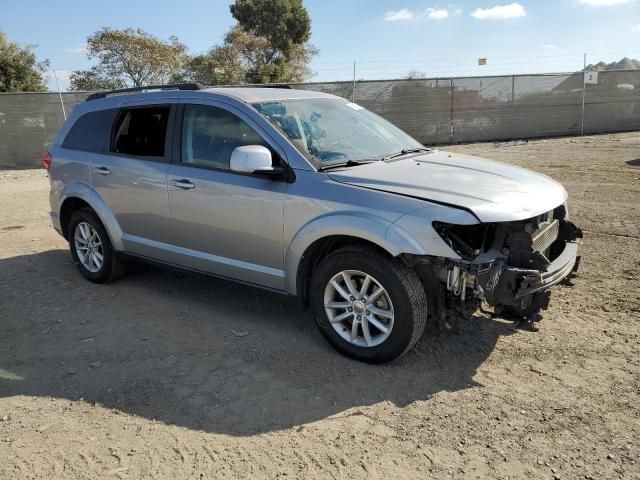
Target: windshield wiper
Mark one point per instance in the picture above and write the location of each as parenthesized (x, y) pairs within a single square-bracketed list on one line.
[(406, 151), (348, 163)]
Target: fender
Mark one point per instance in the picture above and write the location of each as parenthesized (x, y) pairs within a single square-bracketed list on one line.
[(373, 228), (83, 191)]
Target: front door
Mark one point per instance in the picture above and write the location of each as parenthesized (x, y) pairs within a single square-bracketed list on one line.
[(226, 223)]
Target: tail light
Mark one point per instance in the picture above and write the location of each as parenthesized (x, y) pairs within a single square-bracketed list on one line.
[(46, 160)]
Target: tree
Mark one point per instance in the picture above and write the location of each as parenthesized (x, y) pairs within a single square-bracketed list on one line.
[(271, 39), (219, 66), (284, 23), (130, 57), (20, 70), (93, 79), (248, 58), (414, 74)]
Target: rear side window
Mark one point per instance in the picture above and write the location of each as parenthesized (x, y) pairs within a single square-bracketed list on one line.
[(91, 131), (141, 132)]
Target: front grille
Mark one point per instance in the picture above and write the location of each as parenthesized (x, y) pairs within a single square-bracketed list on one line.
[(544, 237)]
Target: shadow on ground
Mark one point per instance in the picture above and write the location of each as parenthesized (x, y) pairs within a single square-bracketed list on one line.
[(200, 352)]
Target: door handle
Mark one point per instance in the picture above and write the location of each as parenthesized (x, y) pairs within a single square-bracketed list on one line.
[(183, 184), (102, 170)]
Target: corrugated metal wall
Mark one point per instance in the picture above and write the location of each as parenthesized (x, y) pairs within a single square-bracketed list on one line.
[(435, 111)]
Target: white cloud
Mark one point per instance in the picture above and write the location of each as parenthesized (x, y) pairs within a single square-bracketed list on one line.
[(636, 28), (76, 50), (398, 15), (499, 12), (429, 14), (436, 14), (603, 3), (550, 46)]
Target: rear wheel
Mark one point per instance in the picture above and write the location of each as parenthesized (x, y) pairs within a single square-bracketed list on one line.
[(368, 306), (91, 248)]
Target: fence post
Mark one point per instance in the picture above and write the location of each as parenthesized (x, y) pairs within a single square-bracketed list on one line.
[(353, 91), (451, 115), (584, 88)]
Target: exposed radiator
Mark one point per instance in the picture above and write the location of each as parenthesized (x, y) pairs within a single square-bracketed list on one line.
[(544, 237)]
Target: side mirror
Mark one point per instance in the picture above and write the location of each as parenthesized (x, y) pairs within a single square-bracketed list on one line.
[(253, 159)]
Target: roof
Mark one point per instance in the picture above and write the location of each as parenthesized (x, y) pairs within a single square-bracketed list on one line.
[(257, 94)]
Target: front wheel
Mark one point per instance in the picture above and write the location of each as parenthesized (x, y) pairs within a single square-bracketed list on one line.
[(368, 306)]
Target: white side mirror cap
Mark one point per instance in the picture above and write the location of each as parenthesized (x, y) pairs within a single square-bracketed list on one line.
[(251, 159)]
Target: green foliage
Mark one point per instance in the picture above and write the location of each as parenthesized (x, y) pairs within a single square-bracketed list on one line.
[(268, 45), (93, 79), (284, 23), (219, 66), (248, 58), (20, 71), (130, 57)]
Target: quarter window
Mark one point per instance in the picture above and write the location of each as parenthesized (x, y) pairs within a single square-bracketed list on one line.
[(210, 134), (141, 132), (91, 131)]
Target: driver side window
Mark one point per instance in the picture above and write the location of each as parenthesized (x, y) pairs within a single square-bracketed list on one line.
[(210, 134)]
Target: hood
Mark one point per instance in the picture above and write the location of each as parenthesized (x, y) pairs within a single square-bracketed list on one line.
[(493, 191)]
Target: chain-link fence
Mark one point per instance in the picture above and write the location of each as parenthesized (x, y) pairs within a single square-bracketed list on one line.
[(435, 110)]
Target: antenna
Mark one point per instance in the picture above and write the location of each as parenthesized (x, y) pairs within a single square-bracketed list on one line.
[(64, 112)]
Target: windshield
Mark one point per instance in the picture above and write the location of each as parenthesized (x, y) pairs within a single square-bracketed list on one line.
[(333, 131)]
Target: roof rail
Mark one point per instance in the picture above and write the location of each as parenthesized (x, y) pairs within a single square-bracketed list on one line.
[(257, 85), (175, 86)]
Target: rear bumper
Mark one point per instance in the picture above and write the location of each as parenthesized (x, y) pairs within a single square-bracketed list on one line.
[(55, 222)]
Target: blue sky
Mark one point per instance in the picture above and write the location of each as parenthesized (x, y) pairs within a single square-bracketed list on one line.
[(386, 38)]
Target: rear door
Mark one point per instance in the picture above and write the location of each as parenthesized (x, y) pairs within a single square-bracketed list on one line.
[(132, 176)]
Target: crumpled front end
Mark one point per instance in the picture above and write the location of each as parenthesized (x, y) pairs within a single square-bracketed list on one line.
[(507, 264)]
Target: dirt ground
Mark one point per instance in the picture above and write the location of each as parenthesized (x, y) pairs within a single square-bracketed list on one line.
[(170, 375)]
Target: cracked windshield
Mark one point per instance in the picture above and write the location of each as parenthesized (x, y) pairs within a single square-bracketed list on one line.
[(330, 132)]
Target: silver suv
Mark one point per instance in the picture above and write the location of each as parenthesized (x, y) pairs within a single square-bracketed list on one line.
[(310, 195)]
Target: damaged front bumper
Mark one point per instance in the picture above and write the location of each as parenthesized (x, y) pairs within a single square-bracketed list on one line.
[(504, 285)]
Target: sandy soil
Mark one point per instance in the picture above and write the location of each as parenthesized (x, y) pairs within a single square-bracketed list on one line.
[(170, 375)]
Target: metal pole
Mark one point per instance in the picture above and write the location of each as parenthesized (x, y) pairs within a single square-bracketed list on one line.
[(584, 88), (451, 114), (64, 112), (353, 91)]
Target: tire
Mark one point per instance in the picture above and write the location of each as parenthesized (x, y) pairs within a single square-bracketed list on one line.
[(403, 298), (111, 267)]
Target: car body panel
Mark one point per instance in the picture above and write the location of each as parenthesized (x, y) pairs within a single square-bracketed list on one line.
[(493, 191), (317, 207)]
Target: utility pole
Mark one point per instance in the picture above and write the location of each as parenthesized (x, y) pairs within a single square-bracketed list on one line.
[(584, 88)]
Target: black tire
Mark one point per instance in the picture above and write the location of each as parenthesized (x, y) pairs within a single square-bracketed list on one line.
[(112, 266), (405, 291)]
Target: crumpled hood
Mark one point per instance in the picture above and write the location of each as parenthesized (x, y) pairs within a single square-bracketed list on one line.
[(493, 191)]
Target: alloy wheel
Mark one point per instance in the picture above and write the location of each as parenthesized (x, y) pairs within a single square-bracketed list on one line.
[(359, 308), (88, 247)]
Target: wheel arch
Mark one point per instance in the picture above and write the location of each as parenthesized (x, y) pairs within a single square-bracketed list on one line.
[(324, 235), (80, 195)]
